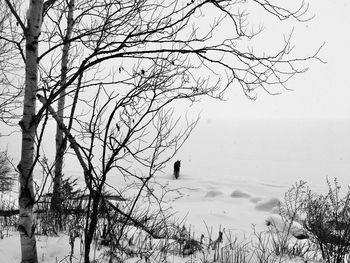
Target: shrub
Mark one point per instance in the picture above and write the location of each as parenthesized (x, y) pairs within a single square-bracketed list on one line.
[(325, 216), (6, 175), (328, 219)]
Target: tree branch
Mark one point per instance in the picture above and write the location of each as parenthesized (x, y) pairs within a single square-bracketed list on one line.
[(13, 11), (71, 139)]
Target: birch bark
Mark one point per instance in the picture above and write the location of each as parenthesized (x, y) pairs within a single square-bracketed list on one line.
[(60, 141), (26, 225)]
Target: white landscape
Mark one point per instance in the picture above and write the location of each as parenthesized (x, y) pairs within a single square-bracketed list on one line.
[(265, 169), (237, 190)]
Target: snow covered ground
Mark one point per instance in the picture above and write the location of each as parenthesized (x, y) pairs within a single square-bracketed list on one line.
[(231, 181), (226, 204)]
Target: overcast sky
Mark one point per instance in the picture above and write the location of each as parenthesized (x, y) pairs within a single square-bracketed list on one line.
[(321, 93)]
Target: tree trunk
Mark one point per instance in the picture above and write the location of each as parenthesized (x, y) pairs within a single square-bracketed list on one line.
[(28, 126), (90, 227), (61, 143)]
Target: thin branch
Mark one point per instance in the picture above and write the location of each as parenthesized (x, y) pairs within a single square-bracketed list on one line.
[(13, 11), (71, 139)]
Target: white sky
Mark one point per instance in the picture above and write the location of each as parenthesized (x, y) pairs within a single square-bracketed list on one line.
[(323, 92)]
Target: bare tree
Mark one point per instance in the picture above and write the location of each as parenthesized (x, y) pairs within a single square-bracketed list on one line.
[(135, 128), (25, 167), (130, 61), (31, 32), (60, 141)]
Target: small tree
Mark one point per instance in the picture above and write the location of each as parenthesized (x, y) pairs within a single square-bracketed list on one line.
[(6, 175)]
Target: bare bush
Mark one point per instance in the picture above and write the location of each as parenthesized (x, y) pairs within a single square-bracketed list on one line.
[(326, 217)]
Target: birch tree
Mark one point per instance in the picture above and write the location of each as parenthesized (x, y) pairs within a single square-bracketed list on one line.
[(28, 123), (60, 141)]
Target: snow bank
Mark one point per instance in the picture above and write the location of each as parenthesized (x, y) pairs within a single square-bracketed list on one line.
[(239, 194), (267, 204), (278, 224), (213, 193)]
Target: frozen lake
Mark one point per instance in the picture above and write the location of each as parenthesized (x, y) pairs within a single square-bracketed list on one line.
[(264, 152), (269, 152)]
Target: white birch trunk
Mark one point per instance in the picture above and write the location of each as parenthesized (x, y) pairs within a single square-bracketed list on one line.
[(60, 143), (25, 167)]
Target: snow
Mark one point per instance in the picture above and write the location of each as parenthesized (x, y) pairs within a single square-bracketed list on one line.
[(207, 206), (235, 188), (229, 203), (50, 249), (277, 223), (268, 204)]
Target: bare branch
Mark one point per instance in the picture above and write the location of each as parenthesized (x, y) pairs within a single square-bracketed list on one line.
[(15, 14)]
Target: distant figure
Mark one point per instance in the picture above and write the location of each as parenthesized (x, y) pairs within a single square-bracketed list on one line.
[(177, 165)]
